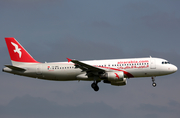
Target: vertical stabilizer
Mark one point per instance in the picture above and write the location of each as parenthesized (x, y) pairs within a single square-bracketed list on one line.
[(17, 53)]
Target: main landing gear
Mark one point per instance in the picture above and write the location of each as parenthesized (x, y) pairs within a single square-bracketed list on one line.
[(153, 80), (95, 86)]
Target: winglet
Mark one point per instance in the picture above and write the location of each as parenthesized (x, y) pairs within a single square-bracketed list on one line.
[(69, 60)]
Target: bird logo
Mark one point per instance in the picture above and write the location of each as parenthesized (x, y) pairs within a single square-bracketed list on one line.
[(117, 75), (17, 49)]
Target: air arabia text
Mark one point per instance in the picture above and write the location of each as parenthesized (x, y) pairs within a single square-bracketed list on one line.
[(128, 62)]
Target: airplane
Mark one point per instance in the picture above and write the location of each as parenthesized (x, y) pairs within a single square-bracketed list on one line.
[(110, 71)]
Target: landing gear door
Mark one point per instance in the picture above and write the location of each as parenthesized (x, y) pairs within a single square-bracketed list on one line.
[(153, 63)]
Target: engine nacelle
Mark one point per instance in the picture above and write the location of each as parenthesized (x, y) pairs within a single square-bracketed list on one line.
[(115, 76), (119, 83)]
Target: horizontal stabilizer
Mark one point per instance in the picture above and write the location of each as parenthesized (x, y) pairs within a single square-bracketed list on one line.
[(15, 68)]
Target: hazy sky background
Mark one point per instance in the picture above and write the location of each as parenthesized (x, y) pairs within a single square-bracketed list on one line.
[(97, 29)]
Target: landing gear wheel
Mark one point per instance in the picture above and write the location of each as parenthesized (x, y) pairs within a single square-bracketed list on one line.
[(154, 84), (153, 80), (95, 86)]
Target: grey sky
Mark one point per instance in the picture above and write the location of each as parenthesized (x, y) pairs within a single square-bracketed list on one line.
[(84, 30)]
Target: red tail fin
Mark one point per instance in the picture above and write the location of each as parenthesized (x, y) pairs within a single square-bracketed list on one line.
[(17, 52)]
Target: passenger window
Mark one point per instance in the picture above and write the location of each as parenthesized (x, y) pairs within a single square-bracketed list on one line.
[(56, 67)]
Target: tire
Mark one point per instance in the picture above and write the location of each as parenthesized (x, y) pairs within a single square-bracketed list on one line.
[(154, 84), (93, 85), (96, 88)]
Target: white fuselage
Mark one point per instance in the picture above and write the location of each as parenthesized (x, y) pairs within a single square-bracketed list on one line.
[(66, 71)]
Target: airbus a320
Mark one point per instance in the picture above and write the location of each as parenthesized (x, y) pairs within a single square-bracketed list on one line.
[(111, 71)]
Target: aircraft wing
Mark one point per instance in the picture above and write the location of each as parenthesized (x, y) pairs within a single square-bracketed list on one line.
[(85, 67)]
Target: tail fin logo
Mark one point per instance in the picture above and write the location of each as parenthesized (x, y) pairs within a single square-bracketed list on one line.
[(17, 49)]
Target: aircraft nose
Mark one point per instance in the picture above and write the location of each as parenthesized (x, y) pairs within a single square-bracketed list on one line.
[(174, 68)]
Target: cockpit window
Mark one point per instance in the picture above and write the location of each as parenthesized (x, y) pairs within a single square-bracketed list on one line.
[(165, 62)]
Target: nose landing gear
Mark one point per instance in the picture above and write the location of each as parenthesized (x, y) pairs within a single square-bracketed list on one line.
[(153, 80)]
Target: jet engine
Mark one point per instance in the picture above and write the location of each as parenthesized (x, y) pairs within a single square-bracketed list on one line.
[(114, 78)]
